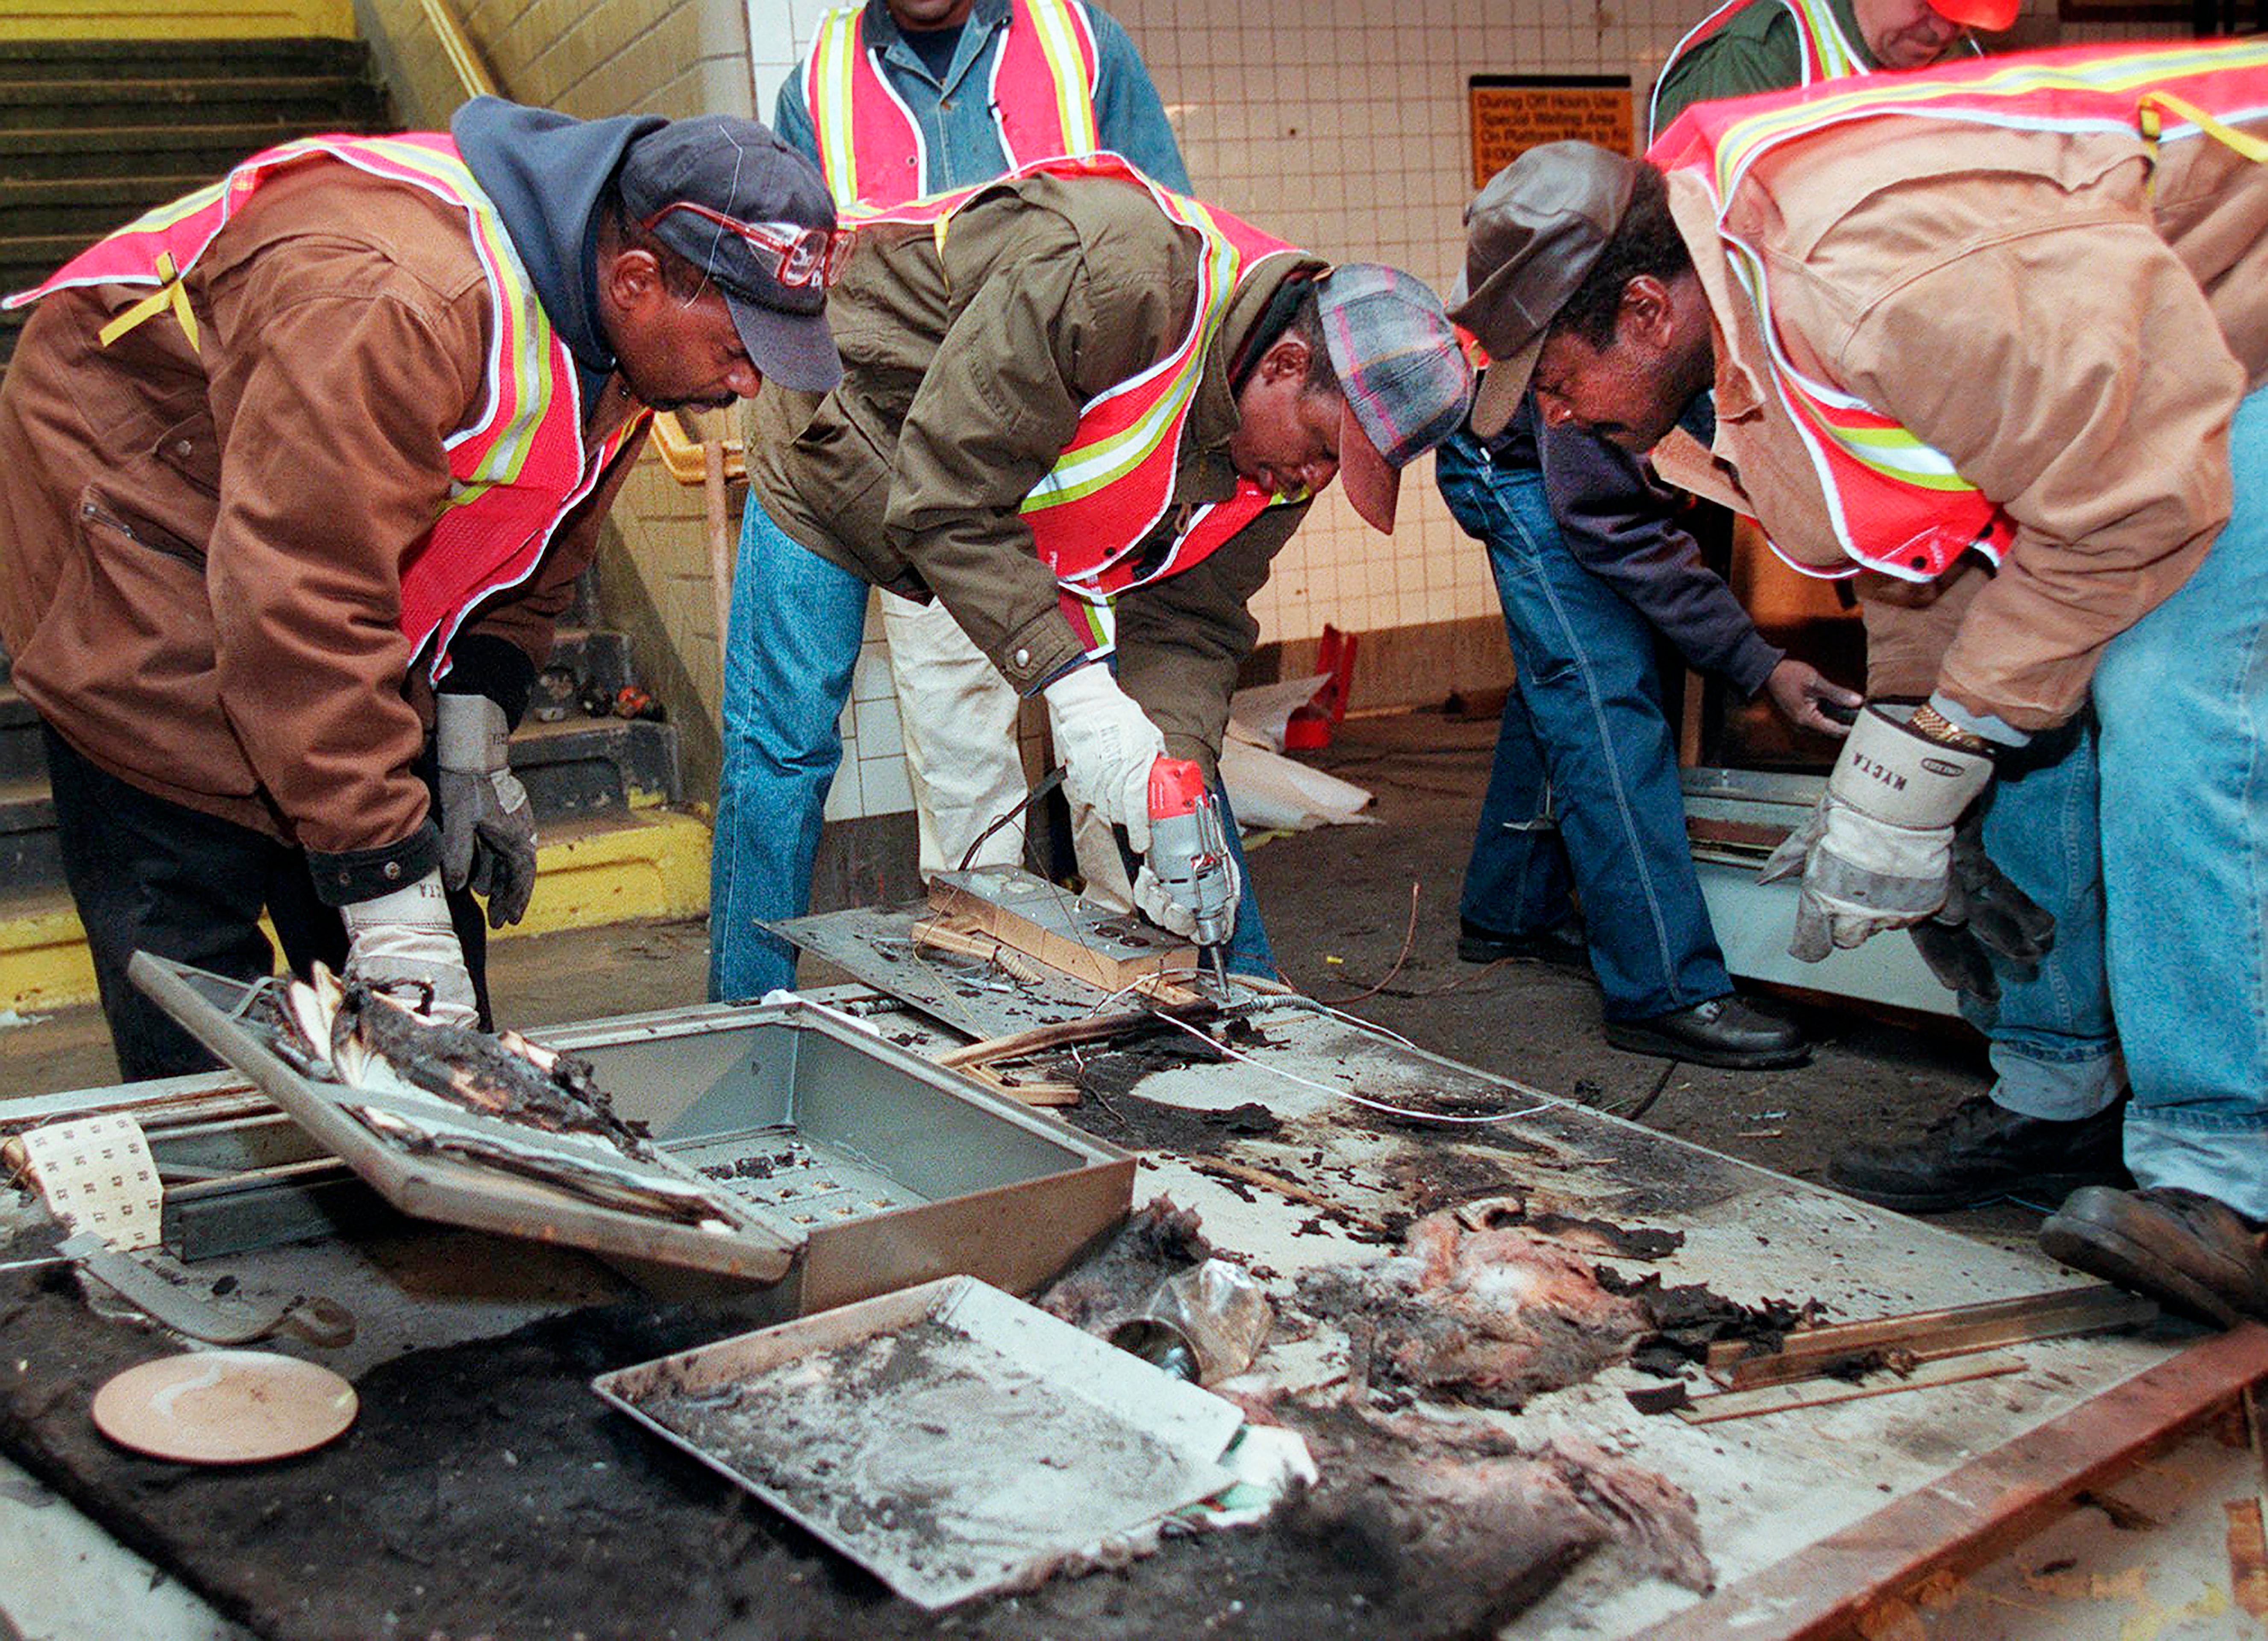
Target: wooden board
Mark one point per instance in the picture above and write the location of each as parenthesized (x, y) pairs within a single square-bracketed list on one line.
[(1105, 949), (1983, 1506), (1927, 1335)]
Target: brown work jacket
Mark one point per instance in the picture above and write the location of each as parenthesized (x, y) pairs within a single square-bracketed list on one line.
[(201, 549), (2072, 327), (964, 375)]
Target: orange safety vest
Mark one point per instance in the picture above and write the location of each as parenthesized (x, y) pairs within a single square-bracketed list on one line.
[(1041, 96), (515, 471), (1115, 479), (1897, 505)]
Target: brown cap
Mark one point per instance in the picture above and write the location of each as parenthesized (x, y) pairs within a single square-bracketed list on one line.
[(1532, 237)]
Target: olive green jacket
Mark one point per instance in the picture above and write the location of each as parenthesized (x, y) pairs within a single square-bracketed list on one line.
[(964, 374), (1757, 50)]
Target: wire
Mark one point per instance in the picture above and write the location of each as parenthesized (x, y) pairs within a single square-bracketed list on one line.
[(1049, 781), (1348, 1093), (1409, 939)]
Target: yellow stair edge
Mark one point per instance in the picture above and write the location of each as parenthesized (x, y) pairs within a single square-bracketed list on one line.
[(653, 863), (177, 19)]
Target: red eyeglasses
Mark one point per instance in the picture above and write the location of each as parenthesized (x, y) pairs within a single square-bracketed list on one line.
[(800, 256)]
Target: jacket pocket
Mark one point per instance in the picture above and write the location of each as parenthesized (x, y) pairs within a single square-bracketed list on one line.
[(98, 511), (190, 449)]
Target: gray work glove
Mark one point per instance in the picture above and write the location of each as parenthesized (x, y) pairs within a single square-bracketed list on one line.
[(1877, 851), (1987, 927), (403, 943), (1107, 744), (488, 827)]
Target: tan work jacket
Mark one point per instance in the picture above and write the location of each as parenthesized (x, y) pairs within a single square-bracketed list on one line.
[(2072, 327)]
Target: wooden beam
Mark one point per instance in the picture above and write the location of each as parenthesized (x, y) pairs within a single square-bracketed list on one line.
[(1966, 1518), (1817, 1392), (1926, 1335)]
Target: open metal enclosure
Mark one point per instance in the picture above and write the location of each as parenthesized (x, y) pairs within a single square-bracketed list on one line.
[(845, 1166)]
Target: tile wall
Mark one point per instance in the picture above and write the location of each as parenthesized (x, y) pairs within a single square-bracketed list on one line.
[(1340, 125)]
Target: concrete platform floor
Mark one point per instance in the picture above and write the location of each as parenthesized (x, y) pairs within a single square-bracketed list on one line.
[(1341, 904)]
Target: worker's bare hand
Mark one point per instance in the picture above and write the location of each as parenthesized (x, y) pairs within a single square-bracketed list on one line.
[(1797, 690)]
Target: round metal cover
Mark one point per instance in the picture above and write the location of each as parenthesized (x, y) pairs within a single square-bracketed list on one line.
[(225, 1406)]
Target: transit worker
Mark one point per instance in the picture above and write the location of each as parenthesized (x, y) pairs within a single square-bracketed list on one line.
[(1990, 331), (1076, 402), (301, 468), (1593, 563), (898, 99)]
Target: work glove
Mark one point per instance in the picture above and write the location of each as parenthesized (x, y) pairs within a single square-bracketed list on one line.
[(1108, 745), (1987, 927), (488, 827), (1876, 852), (1157, 901), (403, 943), (1154, 902)]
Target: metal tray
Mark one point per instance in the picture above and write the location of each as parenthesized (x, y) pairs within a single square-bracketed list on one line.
[(843, 1164), (949, 1439)]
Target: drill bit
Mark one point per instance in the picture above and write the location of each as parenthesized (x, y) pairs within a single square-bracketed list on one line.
[(1220, 970)]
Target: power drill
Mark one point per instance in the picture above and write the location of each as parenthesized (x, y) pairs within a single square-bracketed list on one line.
[(1188, 855)]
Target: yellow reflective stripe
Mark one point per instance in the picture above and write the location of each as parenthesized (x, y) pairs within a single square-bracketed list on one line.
[(1741, 143), (1058, 35), (1837, 57), (521, 354), (834, 58), (2251, 147), (1084, 469)]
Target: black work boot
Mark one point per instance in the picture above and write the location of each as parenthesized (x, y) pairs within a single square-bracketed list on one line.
[(1979, 1152), (1723, 1032), (1562, 942), (2182, 1248)]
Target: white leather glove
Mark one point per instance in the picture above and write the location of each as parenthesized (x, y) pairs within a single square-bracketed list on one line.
[(488, 827), (403, 942), (1160, 907), (1108, 745), (1876, 853)]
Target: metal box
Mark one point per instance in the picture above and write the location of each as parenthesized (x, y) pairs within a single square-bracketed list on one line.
[(853, 1166)]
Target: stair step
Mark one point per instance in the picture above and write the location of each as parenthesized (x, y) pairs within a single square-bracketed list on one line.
[(30, 851), (589, 873), (21, 757), (178, 59), (85, 208), (595, 655), (32, 153), (582, 766), (263, 99)]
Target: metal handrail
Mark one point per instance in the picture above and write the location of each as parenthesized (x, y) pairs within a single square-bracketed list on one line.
[(472, 74)]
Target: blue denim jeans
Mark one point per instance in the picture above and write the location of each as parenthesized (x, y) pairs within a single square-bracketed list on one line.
[(2182, 699), (2053, 1051), (797, 620), (1584, 734)]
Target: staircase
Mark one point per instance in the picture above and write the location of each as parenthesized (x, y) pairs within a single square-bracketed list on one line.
[(92, 133)]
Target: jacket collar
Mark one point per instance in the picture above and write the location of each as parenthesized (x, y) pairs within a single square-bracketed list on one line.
[(1206, 474)]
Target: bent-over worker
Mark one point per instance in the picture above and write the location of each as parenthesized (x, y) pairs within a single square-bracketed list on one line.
[(1072, 400), (2004, 315), (305, 463), (895, 99)]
